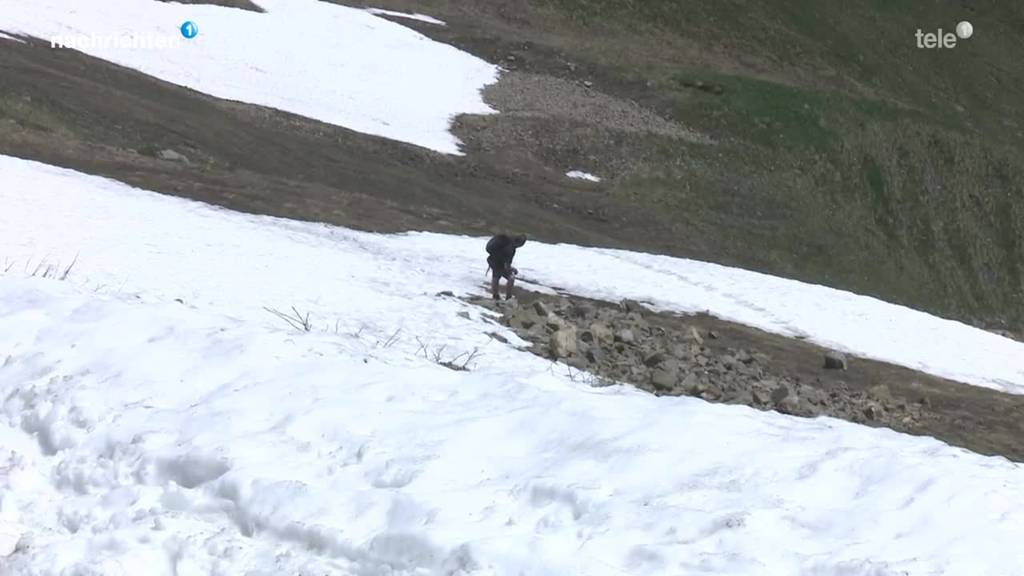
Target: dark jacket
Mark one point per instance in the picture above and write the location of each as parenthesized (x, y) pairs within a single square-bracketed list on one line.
[(501, 249)]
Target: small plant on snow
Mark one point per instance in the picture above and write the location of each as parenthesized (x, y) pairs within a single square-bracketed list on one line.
[(295, 319), (44, 269), (391, 341), (459, 362)]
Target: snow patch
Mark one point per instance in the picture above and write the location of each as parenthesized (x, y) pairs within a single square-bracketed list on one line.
[(358, 71), (413, 16), (580, 175), (215, 446)]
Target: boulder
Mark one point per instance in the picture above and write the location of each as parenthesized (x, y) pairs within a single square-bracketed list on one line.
[(779, 394), (881, 393), (601, 332), (692, 384), (761, 396), (663, 379), (654, 358), (835, 361), (631, 306), (563, 342), (541, 309)]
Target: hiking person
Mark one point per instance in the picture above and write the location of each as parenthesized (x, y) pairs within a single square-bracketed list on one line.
[(501, 249)]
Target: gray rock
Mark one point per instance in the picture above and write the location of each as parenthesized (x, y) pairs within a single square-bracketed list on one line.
[(631, 306), (172, 156), (663, 379), (779, 394), (813, 396), (601, 332), (873, 411), (587, 336), (835, 361), (654, 358), (789, 405), (695, 336), (464, 314), (761, 396), (563, 342), (681, 352), (692, 384), (582, 310), (881, 393), (625, 336), (554, 323), (541, 309)]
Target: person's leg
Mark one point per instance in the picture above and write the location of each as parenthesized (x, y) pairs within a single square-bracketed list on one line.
[(494, 265), (495, 275), (510, 275)]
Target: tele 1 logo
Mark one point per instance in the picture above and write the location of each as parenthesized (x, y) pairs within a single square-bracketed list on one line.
[(940, 39)]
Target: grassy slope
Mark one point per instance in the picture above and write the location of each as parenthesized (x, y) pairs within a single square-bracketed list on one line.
[(847, 155)]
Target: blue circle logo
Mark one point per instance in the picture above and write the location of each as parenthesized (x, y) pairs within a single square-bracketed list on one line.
[(189, 30)]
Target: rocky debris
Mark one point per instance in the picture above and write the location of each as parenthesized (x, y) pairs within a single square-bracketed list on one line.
[(464, 314), (622, 344), (835, 361), (172, 156), (447, 293)]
